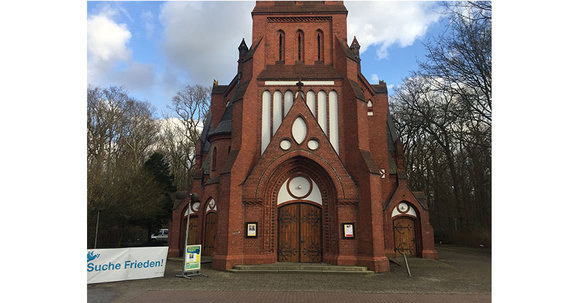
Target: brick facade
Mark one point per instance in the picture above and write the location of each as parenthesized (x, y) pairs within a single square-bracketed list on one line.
[(346, 146)]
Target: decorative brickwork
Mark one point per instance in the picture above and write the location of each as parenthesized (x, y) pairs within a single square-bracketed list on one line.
[(298, 19), (313, 122)]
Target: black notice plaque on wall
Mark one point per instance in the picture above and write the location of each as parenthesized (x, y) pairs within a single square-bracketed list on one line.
[(348, 231), (251, 229)]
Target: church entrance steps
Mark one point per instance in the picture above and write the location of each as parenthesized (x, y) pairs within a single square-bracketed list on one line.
[(287, 267)]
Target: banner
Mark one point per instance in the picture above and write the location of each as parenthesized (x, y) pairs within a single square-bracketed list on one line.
[(118, 264), (192, 258)]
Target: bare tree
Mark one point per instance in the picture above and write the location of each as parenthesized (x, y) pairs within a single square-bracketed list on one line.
[(139, 133), (443, 112), (461, 57), (181, 134), (120, 137)]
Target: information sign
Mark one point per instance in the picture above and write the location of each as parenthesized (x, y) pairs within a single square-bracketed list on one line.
[(192, 258)]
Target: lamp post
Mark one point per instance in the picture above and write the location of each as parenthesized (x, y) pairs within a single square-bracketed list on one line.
[(97, 227), (194, 197)]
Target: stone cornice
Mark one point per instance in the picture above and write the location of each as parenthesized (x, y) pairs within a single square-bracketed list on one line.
[(299, 19)]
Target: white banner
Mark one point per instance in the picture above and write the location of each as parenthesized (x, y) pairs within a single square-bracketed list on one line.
[(117, 264)]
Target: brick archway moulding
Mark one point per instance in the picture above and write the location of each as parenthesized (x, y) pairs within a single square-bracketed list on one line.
[(276, 176)]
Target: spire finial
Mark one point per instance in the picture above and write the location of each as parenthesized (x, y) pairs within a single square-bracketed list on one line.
[(354, 44), (355, 47), (243, 48), (299, 93), (299, 83), (243, 45)]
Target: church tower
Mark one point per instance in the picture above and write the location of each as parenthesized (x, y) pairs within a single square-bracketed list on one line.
[(299, 158)]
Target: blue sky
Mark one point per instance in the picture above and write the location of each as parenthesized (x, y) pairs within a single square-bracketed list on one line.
[(153, 49)]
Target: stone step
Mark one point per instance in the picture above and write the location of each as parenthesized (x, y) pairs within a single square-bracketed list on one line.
[(300, 268), (302, 271), (318, 268)]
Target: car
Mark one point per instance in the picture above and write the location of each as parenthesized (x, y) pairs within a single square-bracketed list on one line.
[(160, 235)]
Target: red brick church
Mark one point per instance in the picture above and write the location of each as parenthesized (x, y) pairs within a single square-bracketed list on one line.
[(299, 158)]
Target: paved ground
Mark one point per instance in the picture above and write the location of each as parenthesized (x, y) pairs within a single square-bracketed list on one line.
[(460, 275), (293, 297)]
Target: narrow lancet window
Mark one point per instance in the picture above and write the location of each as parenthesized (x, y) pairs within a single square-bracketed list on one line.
[(214, 159), (320, 44), (281, 46), (318, 38), (300, 46)]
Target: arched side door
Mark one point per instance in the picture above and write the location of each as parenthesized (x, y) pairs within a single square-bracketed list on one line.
[(405, 236), (193, 229), (406, 230), (210, 228)]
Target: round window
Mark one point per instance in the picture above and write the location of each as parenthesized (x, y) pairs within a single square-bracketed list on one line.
[(285, 144)]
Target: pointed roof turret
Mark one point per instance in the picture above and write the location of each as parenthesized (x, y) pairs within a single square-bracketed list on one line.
[(243, 48), (354, 44), (355, 47)]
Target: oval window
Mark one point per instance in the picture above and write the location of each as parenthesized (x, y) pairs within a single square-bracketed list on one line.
[(299, 130)]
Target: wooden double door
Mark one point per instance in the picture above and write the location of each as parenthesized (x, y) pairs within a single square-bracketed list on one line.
[(209, 234), (193, 230), (406, 239), (300, 233)]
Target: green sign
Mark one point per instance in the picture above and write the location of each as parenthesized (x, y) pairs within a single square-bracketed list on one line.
[(193, 257)]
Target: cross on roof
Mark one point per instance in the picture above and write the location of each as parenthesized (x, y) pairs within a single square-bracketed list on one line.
[(299, 84)]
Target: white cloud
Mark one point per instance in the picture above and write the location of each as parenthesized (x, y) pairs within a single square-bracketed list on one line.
[(106, 44), (386, 23), (110, 60), (374, 78), (202, 38)]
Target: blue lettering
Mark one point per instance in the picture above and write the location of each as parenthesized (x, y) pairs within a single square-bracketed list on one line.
[(102, 267), (133, 265)]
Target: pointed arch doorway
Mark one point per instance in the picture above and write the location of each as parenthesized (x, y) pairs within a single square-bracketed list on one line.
[(300, 233), (210, 228), (302, 213), (407, 236)]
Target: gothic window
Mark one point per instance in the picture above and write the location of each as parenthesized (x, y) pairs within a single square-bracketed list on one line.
[(370, 108), (211, 206), (311, 101), (333, 119), (288, 101), (277, 111), (322, 113), (320, 44), (266, 119), (214, 159), (300, 43), (281, 46)]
